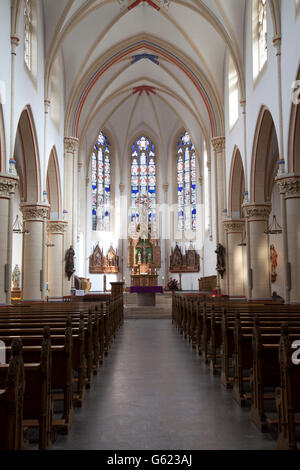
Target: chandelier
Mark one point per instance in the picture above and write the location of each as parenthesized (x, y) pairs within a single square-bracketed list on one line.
[(130, 4)]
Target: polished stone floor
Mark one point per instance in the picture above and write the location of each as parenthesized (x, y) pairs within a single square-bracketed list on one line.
[(154, 392)]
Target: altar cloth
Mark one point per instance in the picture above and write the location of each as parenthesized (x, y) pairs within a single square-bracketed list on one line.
[(146, 290)]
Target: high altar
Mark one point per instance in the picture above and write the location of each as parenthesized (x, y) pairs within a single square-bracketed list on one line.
[(143, 259)]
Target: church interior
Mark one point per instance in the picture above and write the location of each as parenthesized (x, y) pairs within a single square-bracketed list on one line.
[(149, 224)]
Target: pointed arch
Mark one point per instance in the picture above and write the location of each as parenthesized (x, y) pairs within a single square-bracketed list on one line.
[(236, 184), (27, 157), (54, 185), (294, 133), (265, 156), (2, 142)]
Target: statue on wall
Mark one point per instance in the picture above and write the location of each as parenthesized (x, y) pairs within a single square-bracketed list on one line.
[(16, 277), (69, 262), (220, 251), (273, 260)]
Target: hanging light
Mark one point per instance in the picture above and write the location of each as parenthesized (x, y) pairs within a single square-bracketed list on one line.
[(274, 228), (18, 226)]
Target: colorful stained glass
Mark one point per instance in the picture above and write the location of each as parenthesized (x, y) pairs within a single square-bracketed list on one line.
[(101, 181), (186, 184), (143, 175)]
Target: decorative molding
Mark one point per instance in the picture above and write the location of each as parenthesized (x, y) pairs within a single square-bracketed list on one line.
[(234, 225), (165, 187), (289, 184), (122, 187), (257, 211), (35, 212), (218, 144), (7, 186), (71, 144), (56, 226)]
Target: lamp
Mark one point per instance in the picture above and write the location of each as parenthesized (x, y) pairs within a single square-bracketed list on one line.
[(18, 226), (274, 228)]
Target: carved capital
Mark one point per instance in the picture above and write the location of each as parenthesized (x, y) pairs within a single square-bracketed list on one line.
[(56, 226), (15, 41), (35, 212), (47, 104), (122, 187), (257, 211), (71, 144), (7, 186), (166, 187), (289, 184), (234, 225), (218, 144)]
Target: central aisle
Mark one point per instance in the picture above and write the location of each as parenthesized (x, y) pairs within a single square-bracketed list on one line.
[(153, 392)]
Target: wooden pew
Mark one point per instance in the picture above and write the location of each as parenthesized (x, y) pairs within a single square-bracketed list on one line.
[(11, 402)]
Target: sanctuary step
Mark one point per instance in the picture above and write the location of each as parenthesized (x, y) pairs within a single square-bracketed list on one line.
[(161, 299)]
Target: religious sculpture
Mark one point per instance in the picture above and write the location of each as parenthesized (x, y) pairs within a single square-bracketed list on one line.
[(99, 264), (16, 276), (184, 263), (220, 252), (69, 262), (273, 260)]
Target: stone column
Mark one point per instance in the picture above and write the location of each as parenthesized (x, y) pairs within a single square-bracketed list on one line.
[(7, 187), (55, 231), (166, 231), (290, 185), (71, 145), (234, 230), (33, 276), (209, 209), (218, 144), (259, 265)]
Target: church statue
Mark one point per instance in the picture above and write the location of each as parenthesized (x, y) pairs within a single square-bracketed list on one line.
[(69, 260), (273, 260), (16, 276), (220, 251)]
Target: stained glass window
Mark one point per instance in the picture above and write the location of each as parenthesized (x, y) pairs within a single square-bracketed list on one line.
[(101, 180), (143, 175), (186, 184), (28, 33)]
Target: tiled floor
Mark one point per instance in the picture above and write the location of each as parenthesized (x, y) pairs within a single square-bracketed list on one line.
[(153, 392)]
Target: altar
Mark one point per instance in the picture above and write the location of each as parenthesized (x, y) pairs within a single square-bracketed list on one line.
[(143, 280), (146, 295)]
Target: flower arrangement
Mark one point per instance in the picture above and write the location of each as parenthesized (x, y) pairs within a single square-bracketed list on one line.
[(173, 284)]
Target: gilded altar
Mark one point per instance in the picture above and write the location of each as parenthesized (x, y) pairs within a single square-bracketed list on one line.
[(100, 264), (144, 258)]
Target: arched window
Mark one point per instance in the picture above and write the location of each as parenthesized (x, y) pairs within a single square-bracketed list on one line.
[(28, 33), (233, 92), (143, 175), (186, 184), (259, 31), (297, 4), (101, 190), (30, 36)]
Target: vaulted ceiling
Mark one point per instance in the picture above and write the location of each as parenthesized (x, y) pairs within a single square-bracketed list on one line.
[(134, 65)]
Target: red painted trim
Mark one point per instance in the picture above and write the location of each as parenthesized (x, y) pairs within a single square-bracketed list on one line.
[(24, 164), (294, 139), (37, 169), (130, 52), (138, 2), (258, 132)]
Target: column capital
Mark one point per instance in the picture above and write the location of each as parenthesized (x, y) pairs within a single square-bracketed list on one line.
[(277, 43), (71, 144), (289, 184), (166, 187), (56, 226), (47, 104), (122, 187), (218, 144), (255, 211), (234, 225), (35, 212), (7, 185)]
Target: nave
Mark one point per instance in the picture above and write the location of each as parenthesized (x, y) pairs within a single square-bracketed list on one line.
[(162, 397)]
